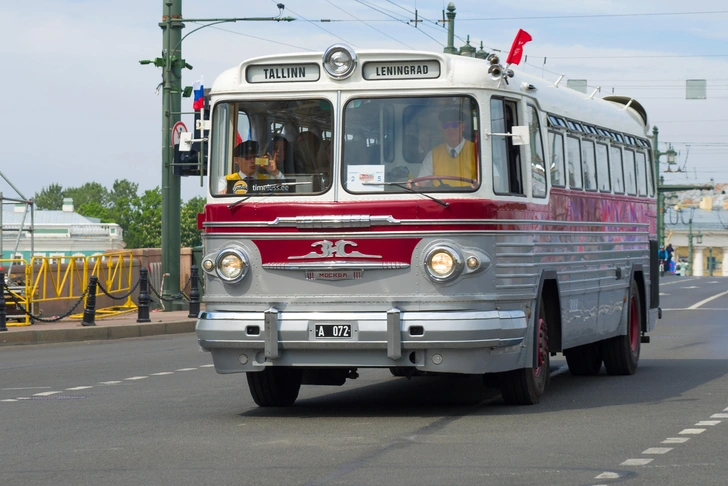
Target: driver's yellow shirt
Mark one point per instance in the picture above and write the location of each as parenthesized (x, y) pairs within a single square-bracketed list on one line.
[(464, 165)]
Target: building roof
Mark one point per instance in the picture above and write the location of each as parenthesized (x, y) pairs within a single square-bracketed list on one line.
[(702, 219), (43, 217)]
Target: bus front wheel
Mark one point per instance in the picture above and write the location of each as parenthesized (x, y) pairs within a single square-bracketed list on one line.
[(526, 386), (622, 353), (275, 387)]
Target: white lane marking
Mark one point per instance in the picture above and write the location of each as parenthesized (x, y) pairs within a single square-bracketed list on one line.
[(657, 450), (701, 308), (187, 369), (714, 281), (134, 378), (676, 440), (558, 371), (27, 388), (663, 294), (725, 409), (78, 388), (46, 394), (636, 462), (162, 373), (708, 422), (207, 366), (680, 281), (695, 306), (692, 287), (9, 400), (608, 475), (719, 415), (691, 431), (109, 382)]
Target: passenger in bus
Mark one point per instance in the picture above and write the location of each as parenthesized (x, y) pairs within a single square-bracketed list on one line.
[(305, 153), (282, 151), (249, 169), (456, 156)]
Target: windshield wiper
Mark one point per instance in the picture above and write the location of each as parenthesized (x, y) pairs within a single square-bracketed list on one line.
[(407, 188)]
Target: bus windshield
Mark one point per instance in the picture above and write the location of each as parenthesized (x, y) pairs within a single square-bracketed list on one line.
[(271, 148), (401, 144)]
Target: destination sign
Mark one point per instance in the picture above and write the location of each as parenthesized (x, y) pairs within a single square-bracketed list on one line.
[(282, 73), (402, 70)]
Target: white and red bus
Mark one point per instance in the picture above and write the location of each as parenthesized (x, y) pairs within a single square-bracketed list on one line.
[(362, 246)]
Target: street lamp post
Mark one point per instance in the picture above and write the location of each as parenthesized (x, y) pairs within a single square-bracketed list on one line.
[(172, 63)]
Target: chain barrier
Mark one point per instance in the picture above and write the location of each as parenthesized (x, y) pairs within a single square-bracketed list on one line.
[(101, 287), (181, 294), (39, 319)]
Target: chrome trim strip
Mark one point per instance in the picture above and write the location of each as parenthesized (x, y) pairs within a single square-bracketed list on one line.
[(342, 221), (336, 265), (478, 343)]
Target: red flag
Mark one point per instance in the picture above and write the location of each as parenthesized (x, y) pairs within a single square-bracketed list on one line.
[(238, 139), (514, 56)]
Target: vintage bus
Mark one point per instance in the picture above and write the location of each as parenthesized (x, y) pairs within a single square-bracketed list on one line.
[(426, 213)]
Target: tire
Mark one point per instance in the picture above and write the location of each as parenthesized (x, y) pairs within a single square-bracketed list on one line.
[(526, 386), (398, 371), (584, 360), (621, 354), (275, 387)]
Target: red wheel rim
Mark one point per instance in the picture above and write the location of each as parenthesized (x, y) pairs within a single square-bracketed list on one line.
[(634, 333)]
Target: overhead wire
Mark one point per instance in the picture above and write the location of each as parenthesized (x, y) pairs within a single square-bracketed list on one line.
[(368, 25)]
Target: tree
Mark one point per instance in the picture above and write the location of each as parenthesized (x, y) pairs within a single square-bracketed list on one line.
[(190, 235), (49, 198), (146, 229), (89, 192)]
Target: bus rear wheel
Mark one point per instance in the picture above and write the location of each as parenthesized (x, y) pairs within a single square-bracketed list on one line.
[(526, 386), (622, 353), (275, 387), (584, 360)]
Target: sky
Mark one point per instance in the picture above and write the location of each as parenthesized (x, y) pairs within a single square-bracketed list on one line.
[(80, 108)]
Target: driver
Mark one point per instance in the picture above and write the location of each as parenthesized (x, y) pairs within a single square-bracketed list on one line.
[(455, 157)]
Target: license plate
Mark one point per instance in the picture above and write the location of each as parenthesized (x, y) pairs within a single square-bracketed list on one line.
[(332, 331)]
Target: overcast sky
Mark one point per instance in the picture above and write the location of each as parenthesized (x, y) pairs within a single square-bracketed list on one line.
[(79, 108)]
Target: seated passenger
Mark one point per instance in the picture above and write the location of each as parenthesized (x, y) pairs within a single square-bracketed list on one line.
[(305, 153), (244, 156), (455, 157), (282, 152)]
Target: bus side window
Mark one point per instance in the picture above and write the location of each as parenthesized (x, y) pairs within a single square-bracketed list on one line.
[(603, 168), (629, 175), (507, 176), (573, 151), (556, 142), (617, 170), (538, 167)]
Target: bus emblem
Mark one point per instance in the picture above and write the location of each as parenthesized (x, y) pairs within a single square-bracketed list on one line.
[(337, 249)]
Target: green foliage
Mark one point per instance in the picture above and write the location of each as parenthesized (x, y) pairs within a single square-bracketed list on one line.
[(88, 193), (189, 233), (140, 217), (145, 231), (49, 198)]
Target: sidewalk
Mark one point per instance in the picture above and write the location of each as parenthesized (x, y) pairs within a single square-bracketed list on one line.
[(114, 327)]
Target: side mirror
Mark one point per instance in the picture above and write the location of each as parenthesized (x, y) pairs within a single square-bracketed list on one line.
[(521, 135)]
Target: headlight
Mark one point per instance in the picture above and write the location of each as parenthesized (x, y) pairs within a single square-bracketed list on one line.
[(443, 263), (232, 265), (339, 61)]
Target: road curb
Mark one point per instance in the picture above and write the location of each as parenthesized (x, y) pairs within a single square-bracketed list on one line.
[(93, 333)]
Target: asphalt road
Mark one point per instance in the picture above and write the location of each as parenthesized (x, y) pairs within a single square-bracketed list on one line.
[(153, 411)]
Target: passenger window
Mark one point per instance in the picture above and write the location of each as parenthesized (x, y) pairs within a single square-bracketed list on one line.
[(538, 167), (629, 174), (603, 168), (556, 142), (617, 170), (641, 174), (589, 165), (573, 152)]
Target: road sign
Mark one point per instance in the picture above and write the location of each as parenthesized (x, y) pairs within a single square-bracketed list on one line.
[(177, 129)]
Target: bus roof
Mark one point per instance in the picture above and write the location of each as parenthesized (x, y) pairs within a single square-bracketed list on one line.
[(282, 74)]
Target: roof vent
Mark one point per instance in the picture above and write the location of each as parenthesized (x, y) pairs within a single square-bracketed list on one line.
[(67, 205)]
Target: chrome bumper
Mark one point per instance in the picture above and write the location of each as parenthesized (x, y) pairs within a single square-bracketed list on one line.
[(276, 338)]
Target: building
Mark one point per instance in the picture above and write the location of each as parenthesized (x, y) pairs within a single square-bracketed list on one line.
[(707, 226), (61, 234)]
